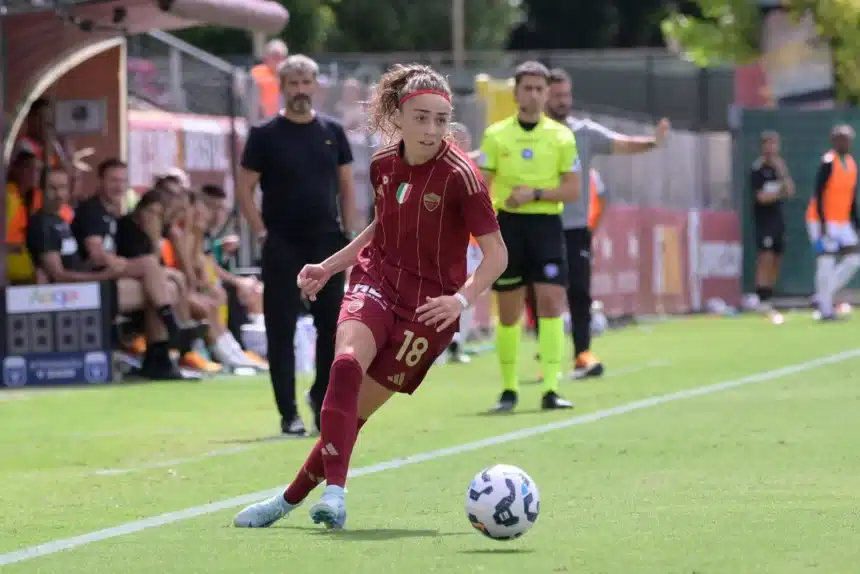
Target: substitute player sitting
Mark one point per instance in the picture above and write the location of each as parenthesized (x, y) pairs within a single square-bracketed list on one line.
[(408, 286), (531, 162), (832, 221)]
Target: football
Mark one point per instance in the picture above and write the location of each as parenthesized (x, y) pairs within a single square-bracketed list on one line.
[(502, 502)]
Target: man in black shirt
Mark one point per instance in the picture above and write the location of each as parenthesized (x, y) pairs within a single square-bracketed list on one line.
[(52, 246), (771, 184), (303, 164), (140, 278)]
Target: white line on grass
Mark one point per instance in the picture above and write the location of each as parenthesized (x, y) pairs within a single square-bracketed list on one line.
[(163, 519), (623, 371)]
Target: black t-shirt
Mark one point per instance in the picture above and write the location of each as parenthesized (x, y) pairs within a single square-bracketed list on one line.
[(47, 233), (93, 220), (131, 240), (767, 215), (298, 166)]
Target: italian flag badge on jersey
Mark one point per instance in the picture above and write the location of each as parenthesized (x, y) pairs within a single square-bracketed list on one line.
[(403, 193)]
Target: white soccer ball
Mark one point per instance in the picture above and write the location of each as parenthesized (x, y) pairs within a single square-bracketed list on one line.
[(502, 502)]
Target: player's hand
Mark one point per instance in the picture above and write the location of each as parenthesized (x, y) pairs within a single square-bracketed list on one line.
[(661, 133), (440, 312), (311, 279), (520, 194)]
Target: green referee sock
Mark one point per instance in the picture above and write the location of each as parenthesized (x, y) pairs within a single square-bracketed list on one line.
[(508, 349), (551, 348)]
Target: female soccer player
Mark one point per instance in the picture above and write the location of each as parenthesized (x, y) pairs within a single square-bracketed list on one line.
[(408, 285)]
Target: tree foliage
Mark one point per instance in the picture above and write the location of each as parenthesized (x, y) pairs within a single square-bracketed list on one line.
[(373, 26), (728, 31), (589, 24)]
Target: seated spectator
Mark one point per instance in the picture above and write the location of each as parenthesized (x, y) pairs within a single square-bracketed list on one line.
[(209, 299), (248, 290), (23, 199), (142, 277), (139, 235), (173, 249), (52, 246)]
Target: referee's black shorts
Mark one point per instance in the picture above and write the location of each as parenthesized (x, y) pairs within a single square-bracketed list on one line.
[(536, 252)]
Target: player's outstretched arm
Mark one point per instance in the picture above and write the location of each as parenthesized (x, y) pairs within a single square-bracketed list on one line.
[(347, 257), (625, 145)]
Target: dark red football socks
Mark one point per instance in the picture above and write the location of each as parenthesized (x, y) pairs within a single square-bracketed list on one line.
[(311, 474), (339, 418)]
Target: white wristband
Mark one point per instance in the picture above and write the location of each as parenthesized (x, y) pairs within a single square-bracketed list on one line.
[(462, 299)]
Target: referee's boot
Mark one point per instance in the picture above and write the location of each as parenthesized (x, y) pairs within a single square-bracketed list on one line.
[(552, 401), (507, 402), (587, 365)]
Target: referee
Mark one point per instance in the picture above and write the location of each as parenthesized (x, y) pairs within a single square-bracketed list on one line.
[(591, 139), (303, 164), (530, 162)]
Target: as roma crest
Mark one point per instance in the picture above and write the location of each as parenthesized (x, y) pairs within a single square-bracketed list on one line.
[(432, 201)]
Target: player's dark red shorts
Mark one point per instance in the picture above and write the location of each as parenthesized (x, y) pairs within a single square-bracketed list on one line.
[(405, 350)]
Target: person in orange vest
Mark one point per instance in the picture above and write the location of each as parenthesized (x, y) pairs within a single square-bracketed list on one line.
[(266, 78), (22, 201), (832, 221)]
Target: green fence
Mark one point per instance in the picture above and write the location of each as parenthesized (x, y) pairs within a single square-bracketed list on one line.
[(805, 138)]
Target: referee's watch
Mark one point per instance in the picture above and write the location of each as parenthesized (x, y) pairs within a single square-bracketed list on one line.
[(538, 193)]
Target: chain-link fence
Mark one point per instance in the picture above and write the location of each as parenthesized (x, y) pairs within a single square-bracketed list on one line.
[(645, 82), (172, 75)]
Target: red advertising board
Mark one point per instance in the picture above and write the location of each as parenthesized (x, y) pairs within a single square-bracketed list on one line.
[(200, 145), (656, 261)]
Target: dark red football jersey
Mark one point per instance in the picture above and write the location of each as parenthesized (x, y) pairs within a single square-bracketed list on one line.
[(424, 217)]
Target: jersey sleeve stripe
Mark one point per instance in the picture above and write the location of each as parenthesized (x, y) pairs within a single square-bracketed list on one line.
[(459, 171), (384, 152), (470, 178)]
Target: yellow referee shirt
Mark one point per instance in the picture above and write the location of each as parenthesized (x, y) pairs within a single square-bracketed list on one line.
[(535, 158)]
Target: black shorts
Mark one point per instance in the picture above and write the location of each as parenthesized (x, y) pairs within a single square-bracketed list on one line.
[(578, 244), (770, 239), (536, 252)]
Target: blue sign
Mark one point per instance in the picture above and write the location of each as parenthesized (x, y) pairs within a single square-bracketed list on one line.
[(57, 369), (528, 154), (56, 335)]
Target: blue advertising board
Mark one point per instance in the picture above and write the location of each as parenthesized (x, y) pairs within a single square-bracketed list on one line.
[(56, 334)]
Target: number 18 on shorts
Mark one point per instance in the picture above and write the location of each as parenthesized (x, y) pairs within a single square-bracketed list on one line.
[(405, 349)]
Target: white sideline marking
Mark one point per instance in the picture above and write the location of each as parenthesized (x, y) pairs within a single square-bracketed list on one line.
[(168, 518), (623, 371)]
